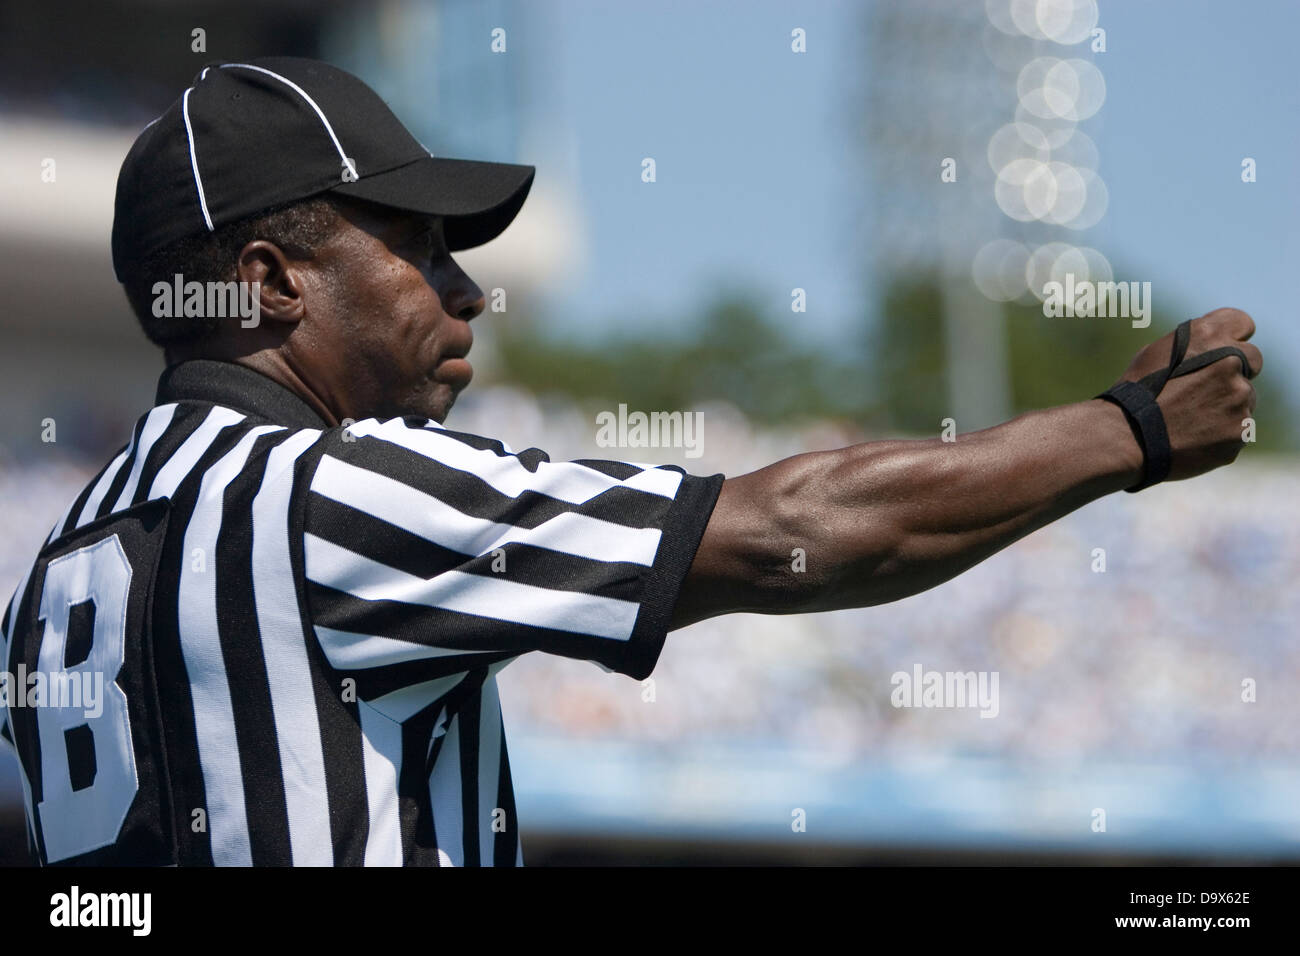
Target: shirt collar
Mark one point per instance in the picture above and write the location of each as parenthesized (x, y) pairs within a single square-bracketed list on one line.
[(238, 387)]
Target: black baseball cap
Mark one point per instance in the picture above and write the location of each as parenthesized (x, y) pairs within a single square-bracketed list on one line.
[(250, 136)]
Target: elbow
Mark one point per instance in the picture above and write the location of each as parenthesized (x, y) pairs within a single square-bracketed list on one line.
[(822, 544)]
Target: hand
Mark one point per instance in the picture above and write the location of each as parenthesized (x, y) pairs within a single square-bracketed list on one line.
[(1204, 409)]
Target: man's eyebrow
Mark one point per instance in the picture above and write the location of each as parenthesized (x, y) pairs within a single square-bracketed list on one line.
[(421, 221), (408, 227)]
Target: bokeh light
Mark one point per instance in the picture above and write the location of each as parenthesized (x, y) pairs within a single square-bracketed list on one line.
[(1044, 166), (1053, 261), (999, 269)]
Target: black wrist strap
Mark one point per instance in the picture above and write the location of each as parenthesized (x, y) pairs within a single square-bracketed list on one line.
[(1138, 399), (1148, 424)]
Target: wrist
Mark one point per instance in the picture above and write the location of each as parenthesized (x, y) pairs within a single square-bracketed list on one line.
[(1119, 450)]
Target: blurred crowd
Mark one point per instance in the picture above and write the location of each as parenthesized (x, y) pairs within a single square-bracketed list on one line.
[(1181, 650)]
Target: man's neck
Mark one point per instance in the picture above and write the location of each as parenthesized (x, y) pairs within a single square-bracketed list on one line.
[(269, 362), (280, 371)]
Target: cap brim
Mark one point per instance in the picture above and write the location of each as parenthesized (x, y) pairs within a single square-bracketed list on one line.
[(477, 199)]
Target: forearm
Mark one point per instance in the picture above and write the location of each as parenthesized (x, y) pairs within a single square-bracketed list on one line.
[(880, 521)]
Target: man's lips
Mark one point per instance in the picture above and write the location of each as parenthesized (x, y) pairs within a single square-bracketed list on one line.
[(458, 350), (455, 370)]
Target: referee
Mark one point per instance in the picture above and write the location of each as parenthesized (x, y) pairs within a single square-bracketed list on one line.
[(294, 586)]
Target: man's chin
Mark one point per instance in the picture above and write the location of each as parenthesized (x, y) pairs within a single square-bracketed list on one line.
[(435, 403), (438, 405), (440, 414)]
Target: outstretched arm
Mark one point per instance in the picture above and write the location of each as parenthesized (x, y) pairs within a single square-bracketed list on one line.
[(883, 520)]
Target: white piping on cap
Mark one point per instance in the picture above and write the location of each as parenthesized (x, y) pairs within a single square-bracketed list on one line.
[(194, 160), (310, 102)]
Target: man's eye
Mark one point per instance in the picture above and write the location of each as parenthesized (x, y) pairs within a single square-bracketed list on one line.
[(429, 240)]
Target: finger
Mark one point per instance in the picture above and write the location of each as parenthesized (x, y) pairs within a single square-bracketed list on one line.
[(1249, 328), (1223, 322), (1234, 322), (1254, 358)]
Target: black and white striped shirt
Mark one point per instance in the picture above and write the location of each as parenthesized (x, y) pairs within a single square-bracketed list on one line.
[(299, 629)]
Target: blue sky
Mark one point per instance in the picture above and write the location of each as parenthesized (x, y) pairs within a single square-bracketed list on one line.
[(1192, 88), (754, 155), (761, 181)]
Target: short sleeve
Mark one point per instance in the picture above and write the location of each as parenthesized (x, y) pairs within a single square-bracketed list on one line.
[(429, 552)]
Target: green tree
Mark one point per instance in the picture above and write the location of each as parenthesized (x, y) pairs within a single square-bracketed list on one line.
[(736, 354), (1051, 361)]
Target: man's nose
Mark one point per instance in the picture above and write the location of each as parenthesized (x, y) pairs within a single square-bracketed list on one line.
[(461, 297)]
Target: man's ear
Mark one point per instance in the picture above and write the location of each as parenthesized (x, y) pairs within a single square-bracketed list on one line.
[(279, 279)]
